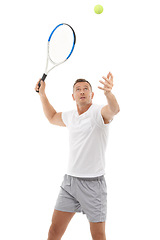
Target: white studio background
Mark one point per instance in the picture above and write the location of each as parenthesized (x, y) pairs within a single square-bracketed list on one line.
[(124, 39)]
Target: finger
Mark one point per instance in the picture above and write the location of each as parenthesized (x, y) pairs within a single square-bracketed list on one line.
[(105, 89), (106, 83), (101, 82), (42, 83), (106, 79), (36, 86), (101, 88), (110, 80), (111, 76), (36, 89)]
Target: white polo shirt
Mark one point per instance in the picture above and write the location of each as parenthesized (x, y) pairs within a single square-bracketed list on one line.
[(88, 137)]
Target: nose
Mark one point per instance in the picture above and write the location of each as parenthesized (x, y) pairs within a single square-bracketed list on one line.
[(82, 91)]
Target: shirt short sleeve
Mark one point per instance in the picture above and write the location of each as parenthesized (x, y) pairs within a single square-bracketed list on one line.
[(66, 117), (98, 116)]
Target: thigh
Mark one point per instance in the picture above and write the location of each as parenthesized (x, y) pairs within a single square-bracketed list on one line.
[(97, 230), (60, 220), (66, 202), (92, 196)]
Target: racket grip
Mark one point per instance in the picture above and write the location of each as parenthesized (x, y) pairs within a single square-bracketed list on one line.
[(42, 79)]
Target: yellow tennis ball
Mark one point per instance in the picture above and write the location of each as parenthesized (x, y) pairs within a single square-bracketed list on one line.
[(98, 9)]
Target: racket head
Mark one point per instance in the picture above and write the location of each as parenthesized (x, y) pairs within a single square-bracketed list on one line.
[(61, 43)]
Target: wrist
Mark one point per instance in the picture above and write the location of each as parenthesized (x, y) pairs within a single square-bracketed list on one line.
[(42, 95), (107, 94)]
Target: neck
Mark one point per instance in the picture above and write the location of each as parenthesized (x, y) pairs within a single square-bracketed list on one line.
[(83, 108)]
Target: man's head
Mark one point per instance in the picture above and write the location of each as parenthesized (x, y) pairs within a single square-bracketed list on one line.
[(82, 92)]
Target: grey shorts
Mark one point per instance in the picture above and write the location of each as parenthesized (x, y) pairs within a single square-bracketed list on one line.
[(86, 195)]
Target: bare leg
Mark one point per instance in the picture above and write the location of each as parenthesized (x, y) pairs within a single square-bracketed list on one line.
[(60, 221), (98, 230)]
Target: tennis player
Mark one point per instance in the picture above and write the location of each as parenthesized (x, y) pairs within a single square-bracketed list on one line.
[(84, 186)]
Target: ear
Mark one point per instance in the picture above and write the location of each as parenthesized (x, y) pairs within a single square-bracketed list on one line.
[(92, 95), (73, 97)]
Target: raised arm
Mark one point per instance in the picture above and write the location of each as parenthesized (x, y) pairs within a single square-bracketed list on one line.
[(112, 108), (50, 113)]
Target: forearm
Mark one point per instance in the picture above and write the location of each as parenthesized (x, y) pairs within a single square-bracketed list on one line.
[(112, 102), (49, 111)]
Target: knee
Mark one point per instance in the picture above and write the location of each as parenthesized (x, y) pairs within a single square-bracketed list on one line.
[(54, 233), (99, 236)]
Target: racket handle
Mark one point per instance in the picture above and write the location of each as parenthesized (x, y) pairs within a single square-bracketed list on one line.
[(42, 79)]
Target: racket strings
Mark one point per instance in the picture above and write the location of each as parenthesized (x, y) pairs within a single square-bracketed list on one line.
[(61, 44)]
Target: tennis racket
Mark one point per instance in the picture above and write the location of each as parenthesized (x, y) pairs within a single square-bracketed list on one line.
[(61, 44)]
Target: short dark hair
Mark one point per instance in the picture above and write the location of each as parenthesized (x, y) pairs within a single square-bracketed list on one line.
[(81, 80)]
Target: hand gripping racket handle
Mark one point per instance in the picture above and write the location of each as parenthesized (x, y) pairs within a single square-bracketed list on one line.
[(42, 79)]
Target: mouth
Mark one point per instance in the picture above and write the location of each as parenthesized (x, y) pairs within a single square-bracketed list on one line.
[(82, 98)]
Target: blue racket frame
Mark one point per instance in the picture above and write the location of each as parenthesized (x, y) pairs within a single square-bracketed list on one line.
[(48, 58)]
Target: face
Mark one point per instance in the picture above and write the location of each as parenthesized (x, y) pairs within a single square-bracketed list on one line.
[(82, 93)]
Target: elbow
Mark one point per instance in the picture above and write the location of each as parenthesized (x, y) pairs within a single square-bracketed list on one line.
[(50, 120), (117, 110)]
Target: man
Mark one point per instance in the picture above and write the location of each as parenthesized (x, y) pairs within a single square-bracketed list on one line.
[(84, 187)]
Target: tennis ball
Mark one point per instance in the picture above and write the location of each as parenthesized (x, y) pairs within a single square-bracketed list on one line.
[(98, 9)]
